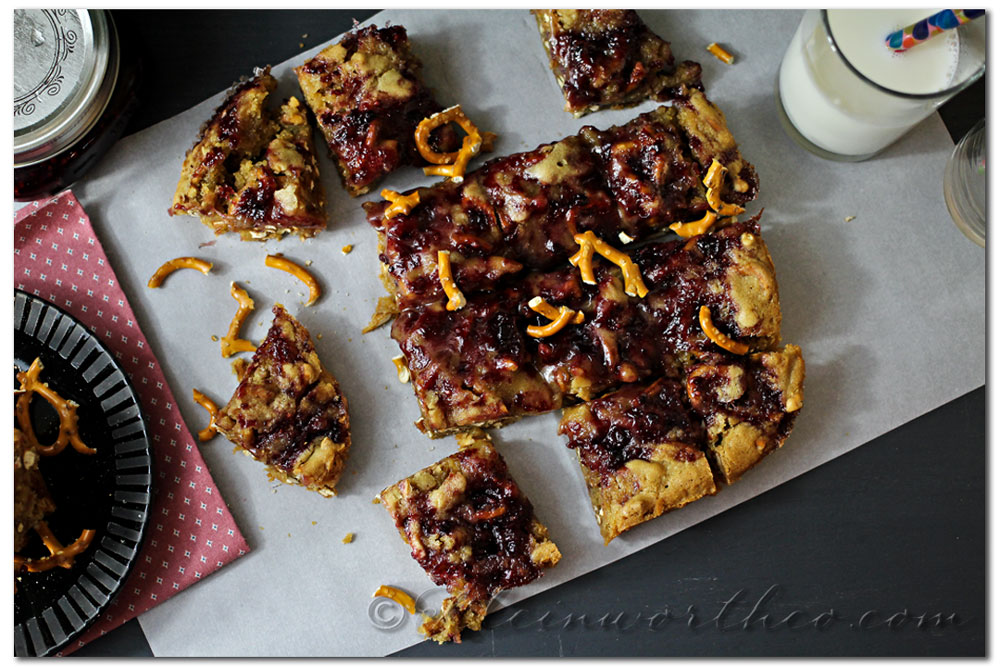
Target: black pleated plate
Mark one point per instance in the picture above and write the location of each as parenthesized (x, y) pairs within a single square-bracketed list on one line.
[(109, 491)]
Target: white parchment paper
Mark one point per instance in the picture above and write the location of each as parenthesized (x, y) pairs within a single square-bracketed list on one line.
[(888, 308)]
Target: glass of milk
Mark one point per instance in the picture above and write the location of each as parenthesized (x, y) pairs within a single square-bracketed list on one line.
[(844, 95)]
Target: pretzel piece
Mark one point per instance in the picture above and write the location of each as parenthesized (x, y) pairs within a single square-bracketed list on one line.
[(231, 343), (566, 315), (713, 177), (59, 556), (393, 593), (204, 401), (716, 336), (456, 300), (399, 204), (584, 258), (589, 244), (422, 134), (68, 421), (454, 164), (402, 371), (687, 230), (279, 261), (716, 50), (720, 53), (178, 263), (721, 207), (546, 309)]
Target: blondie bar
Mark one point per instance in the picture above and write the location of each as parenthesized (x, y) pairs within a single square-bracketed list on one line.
[(471, 528), (609, 58), (288, 411), (252, 174)]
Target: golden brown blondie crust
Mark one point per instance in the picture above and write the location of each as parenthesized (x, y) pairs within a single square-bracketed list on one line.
[(252, 174), (288, 411)]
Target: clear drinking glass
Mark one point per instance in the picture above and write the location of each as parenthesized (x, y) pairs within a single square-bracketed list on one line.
[(965, 184), (842, 94)]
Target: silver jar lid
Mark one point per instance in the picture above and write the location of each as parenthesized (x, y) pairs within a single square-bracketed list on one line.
[(65, 66)]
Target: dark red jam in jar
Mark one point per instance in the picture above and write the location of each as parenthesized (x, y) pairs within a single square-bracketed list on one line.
[(74, 91)]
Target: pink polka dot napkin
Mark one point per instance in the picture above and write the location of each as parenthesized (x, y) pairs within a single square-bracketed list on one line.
[(191, 533)]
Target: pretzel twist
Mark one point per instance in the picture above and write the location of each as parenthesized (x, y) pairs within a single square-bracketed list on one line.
[(68, 420), (282, 263), (716, 336), (583, 259), (178, 263), (453, 164), (59, 555), (204, 401)]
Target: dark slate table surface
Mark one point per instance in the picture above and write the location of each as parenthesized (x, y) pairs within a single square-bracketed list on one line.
[(879, 552)]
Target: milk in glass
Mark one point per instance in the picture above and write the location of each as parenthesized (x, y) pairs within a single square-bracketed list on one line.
[(841, 112)]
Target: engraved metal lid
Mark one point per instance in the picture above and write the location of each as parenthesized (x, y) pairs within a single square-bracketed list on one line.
[(65, 65)]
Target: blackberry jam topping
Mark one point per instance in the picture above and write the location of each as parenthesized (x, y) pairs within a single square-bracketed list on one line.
[(630, 423)]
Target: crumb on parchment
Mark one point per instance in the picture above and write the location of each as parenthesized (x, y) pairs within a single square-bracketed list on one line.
[(348, 538)]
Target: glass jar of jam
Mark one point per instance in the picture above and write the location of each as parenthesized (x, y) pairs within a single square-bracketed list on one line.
[(74, 91)]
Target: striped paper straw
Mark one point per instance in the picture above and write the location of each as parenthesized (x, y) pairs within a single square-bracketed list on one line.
[(921, 31)]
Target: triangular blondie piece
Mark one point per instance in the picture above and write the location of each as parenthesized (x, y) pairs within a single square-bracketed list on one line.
[(288, 411), (252, 174)]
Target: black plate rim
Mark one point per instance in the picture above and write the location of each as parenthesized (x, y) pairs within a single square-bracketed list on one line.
[(25, 636)]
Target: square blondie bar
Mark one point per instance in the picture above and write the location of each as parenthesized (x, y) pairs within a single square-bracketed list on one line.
[(748, 404), (640, 453), (368, 97), (609, 58), (472, 530)]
